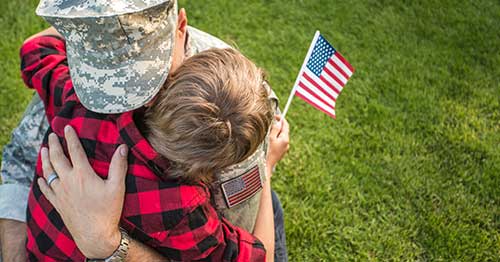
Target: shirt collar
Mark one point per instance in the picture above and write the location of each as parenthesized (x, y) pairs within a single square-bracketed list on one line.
[(140, 147)]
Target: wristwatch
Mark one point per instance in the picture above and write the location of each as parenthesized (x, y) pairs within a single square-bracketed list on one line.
[(120, 253)]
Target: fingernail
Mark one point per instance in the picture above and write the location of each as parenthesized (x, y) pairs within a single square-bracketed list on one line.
[(44, 151), (123, 150), (67, 128)]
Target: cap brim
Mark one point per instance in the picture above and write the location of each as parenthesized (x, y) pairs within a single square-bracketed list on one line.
[(107, 86)]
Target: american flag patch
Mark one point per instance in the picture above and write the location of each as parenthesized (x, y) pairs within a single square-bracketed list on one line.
[(241, 188)]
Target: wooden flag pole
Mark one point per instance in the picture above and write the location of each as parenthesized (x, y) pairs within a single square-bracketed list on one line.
[(294, 89)]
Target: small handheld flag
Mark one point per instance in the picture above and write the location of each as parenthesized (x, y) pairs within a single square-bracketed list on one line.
[(322, 77)]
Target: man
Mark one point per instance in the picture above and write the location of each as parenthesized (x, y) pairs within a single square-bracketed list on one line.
[(19, 155)]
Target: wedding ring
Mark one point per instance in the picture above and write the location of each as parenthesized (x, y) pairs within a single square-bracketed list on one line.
[(53, 176)]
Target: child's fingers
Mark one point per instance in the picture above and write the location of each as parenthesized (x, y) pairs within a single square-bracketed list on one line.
[(285, 130), (275, 129)]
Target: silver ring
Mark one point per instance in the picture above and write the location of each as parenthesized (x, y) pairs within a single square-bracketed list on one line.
[(53, 176)]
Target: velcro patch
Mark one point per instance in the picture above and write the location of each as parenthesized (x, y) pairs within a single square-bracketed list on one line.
[(243, 187)]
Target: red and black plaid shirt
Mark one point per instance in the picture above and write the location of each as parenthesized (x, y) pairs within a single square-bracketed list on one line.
[(176, 220)]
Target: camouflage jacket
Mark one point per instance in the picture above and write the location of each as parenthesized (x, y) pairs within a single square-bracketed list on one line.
[(20, 155)]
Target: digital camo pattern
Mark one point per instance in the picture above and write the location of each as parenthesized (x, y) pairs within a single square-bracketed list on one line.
[(200, 41), (19, 161), (93, 8), (119, 63)]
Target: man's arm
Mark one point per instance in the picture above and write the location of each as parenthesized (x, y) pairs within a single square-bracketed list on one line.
[(199, 234), (96, 234), (12, 242), (140, 252)]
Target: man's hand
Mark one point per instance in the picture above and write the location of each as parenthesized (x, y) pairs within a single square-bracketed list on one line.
[(89, 206), (278, 142), (12, 240)]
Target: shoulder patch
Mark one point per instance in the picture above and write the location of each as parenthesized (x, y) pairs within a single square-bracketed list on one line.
[(243, 187)]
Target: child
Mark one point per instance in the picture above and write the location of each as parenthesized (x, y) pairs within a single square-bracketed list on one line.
[(175, 218), (213, 113)]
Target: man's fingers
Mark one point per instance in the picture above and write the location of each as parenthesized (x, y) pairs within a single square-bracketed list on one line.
[(56, 154), (47, 191), (75, 149), (118, 166), (46, 166)]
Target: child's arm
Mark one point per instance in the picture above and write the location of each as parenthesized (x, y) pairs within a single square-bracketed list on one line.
[(49, 31), (264, 225), (44, 67)]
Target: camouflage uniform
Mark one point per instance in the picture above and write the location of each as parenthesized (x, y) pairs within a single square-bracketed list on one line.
[(19, 161), (19, 158)]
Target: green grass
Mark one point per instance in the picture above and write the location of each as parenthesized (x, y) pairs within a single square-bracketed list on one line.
[(410, 171)]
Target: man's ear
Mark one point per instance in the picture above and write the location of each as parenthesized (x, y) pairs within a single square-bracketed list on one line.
[(182, 22)]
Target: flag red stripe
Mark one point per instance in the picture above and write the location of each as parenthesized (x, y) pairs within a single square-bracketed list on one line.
[(249, 180), (306, 89), (320, 87), (251, 176), (247, 193), (342, 66), (341, 58), (331, 62), (244, 194), (314, 104), (333, 76), (327, 107), (248, 190), (329, 84)]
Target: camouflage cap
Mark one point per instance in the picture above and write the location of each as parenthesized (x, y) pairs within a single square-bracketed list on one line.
[(119, 51)]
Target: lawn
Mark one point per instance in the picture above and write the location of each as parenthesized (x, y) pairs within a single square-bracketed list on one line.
[(410, 170)]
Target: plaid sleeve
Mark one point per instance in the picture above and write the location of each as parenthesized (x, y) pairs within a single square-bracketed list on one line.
[(203, 235), (44, 68), (180, 223)]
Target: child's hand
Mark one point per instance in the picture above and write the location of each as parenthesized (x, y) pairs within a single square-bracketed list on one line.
[(278, 142)]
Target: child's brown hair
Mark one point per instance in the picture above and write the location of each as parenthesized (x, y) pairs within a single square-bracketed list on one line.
[(213, 112)]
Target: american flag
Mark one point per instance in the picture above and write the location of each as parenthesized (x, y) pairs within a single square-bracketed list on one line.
[(241, 188), (322, 77)]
